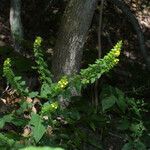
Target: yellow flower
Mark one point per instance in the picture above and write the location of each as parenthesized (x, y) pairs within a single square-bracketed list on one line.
[(7, 61), (63, 83), (116, 60), (38, 40), (117, 53), (54, 105)]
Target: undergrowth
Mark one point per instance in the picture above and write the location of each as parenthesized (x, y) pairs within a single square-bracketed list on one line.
[(47, 123)]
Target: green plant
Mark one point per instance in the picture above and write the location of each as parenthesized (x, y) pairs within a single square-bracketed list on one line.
[(129, 110), (94, 71), (15, 81), (51, 93), (40, 148), (48, 88), (7, 143), (42, 67)]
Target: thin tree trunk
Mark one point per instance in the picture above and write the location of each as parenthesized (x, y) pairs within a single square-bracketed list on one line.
[(96, 93), (130, 16), (72, 36), (15, 24)]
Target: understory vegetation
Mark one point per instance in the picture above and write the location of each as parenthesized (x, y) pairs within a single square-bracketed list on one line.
[(74, 75), (44, 120)]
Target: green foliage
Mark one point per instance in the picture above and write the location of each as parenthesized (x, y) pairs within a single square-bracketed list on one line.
[(38, 128), (7, 143), (50, 117), (130, 115), (5, 119), (49, 89), (15, 81), (52, 92), (49, 107), (108, 102), (134, 145), (94, 71), (40, 148), (42, 67), (5, 140)]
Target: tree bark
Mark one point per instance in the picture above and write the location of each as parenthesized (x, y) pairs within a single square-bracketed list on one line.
[(16, 24), (72, 36)]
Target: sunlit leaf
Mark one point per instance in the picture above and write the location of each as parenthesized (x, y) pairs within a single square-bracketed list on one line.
[(38, 127)]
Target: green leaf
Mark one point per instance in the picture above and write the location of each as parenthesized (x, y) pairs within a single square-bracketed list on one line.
[(22, 83), (137, 129), (19, 122), (49, 107), (38, 127), (93, 80), (119, 92), (41, 148), (121, 103), (6, 118), (33, 94), (92, 125), (108, 102), (127, 146), (94, 71), (124, 124), (6, 140), (45, 90), (98, 75), (139, 146), (38, 132), (18, 78)]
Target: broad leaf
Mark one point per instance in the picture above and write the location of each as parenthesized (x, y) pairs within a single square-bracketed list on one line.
[(127, 146), (121, 103), (108, 102), (6, 118), (139, 146), (124, 124), (45, 90), (38, 127), (33, 94)]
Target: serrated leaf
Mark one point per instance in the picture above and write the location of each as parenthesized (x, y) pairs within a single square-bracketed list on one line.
[(108, 102), (45, 90), (38, 127), (38, 132)]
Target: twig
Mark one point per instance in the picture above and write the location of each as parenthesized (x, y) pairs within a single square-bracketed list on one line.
[(99, 49), (100, 29), (115, 135)]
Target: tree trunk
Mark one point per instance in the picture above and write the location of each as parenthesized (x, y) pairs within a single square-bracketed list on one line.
[(72, 36), (15, 24), (130, 16)]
